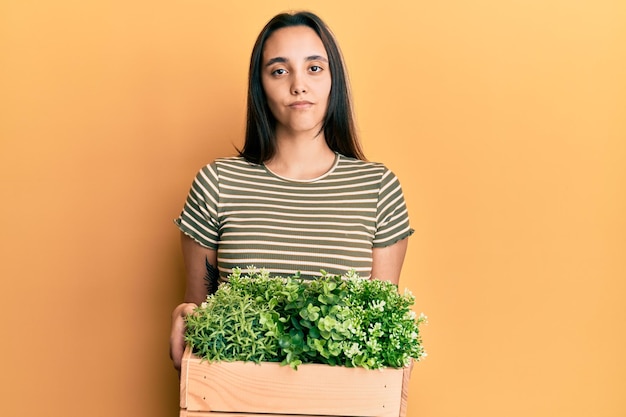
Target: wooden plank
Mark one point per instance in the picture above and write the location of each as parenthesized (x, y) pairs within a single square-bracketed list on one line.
[(313, 389), (404, 395), (187, 356), (218, 414)]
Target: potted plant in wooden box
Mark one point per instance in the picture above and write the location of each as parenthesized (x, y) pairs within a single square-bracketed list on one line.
[(338, 345)]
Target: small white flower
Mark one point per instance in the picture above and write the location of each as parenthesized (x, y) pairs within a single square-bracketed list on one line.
[(251, 271), (351, 274), (379, 305), (353, 350)]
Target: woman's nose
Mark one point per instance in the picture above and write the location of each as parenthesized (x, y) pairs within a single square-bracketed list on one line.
[(298, 85)]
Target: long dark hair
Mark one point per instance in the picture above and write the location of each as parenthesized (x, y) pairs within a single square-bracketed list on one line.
[(338, 126)]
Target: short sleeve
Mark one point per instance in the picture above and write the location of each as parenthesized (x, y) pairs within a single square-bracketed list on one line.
[(392, 217), (199, 217)]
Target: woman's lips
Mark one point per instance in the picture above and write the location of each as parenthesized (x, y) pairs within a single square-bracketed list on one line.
[(301, 104)]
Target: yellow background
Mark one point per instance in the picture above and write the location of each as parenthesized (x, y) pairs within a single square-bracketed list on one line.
[(505, 121)]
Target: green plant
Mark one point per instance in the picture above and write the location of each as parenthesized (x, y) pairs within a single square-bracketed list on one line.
[(334, 320)]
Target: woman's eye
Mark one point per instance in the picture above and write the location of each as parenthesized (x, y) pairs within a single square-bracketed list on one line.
[(316, 68), (279, 71)]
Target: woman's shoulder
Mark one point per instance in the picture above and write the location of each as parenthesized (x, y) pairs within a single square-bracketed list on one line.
[(229, 162), (348, 163), (223, 168), (359, 169)]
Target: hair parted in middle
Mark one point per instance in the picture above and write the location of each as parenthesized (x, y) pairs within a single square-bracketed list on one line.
[(338, 125)]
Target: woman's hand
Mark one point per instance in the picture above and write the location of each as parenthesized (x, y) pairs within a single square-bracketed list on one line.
[(196, 260), (177, 335)]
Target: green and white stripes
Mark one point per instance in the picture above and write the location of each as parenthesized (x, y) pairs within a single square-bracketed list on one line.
[(256, 218)]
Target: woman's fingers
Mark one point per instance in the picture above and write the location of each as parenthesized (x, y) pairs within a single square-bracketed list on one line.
[(177, 336)]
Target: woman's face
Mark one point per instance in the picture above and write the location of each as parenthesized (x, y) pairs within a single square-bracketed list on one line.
[(296, 79)]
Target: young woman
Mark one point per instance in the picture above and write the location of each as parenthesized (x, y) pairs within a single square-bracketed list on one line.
[(300, 196)]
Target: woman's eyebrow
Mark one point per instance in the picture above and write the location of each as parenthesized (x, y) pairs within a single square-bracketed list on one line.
[(275, 60), (283, 59), (316, 58)]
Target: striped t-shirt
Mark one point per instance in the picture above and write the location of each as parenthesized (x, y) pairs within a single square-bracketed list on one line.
[(255, 218)]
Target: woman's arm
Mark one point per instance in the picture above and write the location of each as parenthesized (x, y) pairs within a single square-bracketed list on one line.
[(201, 267), (387, 262)]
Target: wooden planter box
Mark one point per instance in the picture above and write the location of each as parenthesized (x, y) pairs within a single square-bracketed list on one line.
[(255, 390)]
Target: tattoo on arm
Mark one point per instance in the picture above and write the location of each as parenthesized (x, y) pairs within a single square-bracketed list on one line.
[(211, 277)]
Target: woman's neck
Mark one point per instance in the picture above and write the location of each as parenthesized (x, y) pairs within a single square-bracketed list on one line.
[(301, 158)]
